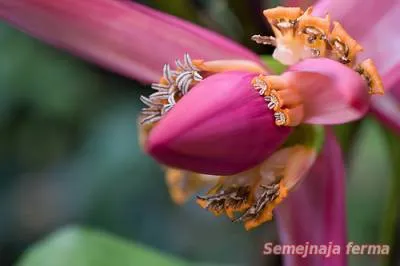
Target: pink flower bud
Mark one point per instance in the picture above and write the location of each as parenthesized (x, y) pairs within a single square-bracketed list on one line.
[(221, 127)]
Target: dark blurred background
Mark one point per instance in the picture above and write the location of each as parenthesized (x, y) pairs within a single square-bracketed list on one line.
[(69, 154)]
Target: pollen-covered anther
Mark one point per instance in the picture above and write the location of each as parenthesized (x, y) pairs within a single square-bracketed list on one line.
[(266, 40), (171, 87), (343, 47), (281, 97), (227, 200), (313, 32), (283, 19), (265, 84), (183, 184), (289, 117), (368, 71), (261, 211), (239, 200), (281, 118), (284, 98), (261, 85), (273, 102)]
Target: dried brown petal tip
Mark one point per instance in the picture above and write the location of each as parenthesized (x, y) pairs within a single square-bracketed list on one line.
[(266, 200), (368, 71)]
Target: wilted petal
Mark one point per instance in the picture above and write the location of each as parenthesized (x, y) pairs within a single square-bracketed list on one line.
[(280, 173), (183, 184), (332, 93), (222, 126), (256, 192), (315, 211), (125, 37)]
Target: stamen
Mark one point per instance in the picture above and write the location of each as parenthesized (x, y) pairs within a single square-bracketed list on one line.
[(273, 102), (314, 31), (229, 200), (231, 194), (188, 63), (166, 108), (266, 40), (368, 71), (283, 14), (284, 22), (168, 74), (183, 184), (261, 210), (184, 80), (290, 116), (281, 118), (265, 84), (161, 95), (344, 48), (149, 102), (151, 119), (284, 25), (160, 87), (286, 98), (261, 85), (282, 98), (315, 52), (172, 86), (299, 35)]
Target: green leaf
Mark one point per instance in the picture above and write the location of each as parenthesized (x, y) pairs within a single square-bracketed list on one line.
[(84, 247), (276, 66)]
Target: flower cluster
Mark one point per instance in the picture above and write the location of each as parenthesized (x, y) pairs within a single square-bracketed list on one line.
[(208, 124), (300, 35), (172, 86)]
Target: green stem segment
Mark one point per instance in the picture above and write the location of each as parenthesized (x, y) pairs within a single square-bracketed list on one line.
[(312, 136), (273, 64)]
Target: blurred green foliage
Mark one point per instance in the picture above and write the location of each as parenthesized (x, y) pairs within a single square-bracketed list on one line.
[(369, 172), (83, 247)]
